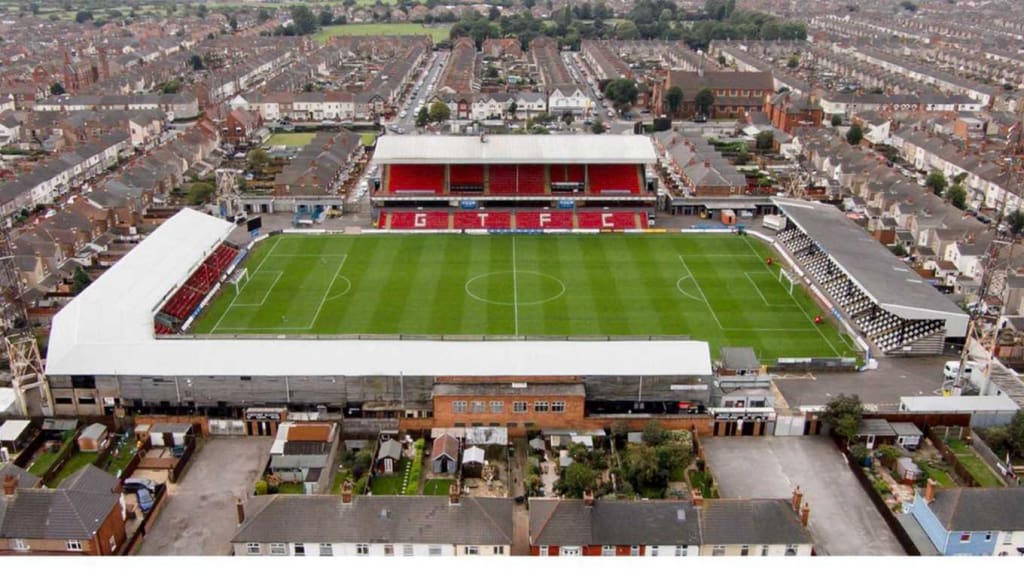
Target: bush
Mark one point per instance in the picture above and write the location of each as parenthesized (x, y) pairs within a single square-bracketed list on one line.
[(360, 485), (412, 487), (261, 487)]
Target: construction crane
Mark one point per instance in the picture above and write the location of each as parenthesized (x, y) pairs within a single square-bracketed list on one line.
[(26, 363)]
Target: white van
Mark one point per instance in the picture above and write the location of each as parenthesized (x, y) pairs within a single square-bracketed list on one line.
[(949, 371)]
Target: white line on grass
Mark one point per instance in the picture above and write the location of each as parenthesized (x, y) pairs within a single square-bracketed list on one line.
[(328, 291), (265, 294), (793, 298), (761, 294), (235, 297), (515, 286), (699, 289)]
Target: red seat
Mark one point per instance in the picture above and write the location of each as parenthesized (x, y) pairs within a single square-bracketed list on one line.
[(503, 179), (416, 179), (419, 220), (609, 220), (551, 219), (567, 173), (466, 177), (614, 179), (478, 220)]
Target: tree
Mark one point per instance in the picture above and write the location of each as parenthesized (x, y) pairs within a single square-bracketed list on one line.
[(704, 100), (171, 86), (202, 11), (200, 192), (1016, 222), (794, 62), (258, 160), (844, 414), (568, 119), (622, 93), (57, 89), (957, 196), (855, 134), (908, 6), (577, 479), (674, 100), (439, 112), (326, 17), (654, 434), (722, 60), (304, 19), (83, 16), (1015, 432), (765, 140), (837, 120), (597, 128), (196, 62), (937, 182), (512, 109), (626, 31), (422, 117), (79, 280), (263, 15)]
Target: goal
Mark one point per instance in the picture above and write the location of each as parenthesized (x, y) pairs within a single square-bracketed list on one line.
[(239, 279), (788, 280)]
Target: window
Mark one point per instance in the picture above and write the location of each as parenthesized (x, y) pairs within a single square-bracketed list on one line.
[(407, 550), (634, 550), (654, 550), (459, 406), (326, 550), (519, 407), (764, 550), (300, 549), (791, 549), (389, 550), (607, 550), (718, 551), (498, 551), (497, 407), (965, 537), (434, 551), (278, 549), (478, 407), (988, 536), (558, 406), (19, 544), (113, 543), (471, 551), (362, 549), (1007, 538), (543, 550), (680, 551), (73, 546), (570, 551), (540, 406), (252, 548), (744, 550)]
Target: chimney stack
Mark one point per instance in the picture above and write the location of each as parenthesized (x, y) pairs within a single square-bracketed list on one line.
[(929, 491), (698, 498), (588, 498), (240, 509), (798, 497), (10, 485), (805, 514), (346, 492), (454, 492)]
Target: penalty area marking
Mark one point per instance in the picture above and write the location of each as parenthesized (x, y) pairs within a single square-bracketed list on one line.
[(684, 292)]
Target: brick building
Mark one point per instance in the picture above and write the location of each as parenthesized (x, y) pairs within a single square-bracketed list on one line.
[(736, 93), (788, 112), (555, 402)]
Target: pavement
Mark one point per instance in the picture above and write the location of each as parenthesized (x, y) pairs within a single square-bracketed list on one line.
[(200, 516), (843, 521)]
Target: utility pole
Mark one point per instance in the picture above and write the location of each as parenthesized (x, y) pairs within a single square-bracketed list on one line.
[(26, 363)]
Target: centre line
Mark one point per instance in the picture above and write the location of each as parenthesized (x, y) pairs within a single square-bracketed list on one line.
[(515, 286)]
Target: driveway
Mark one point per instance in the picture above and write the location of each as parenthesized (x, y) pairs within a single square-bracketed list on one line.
[(843, 521), (200, 516)]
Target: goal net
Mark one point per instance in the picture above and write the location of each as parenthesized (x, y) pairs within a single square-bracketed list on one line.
[(788, 280), (239, 279)]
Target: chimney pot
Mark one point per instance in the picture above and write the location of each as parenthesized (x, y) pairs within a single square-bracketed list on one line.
[(798, 497), (698, 498), (240, 509), (10, 485), (805, 514), (588, 498), (454, 492), (346, 492)]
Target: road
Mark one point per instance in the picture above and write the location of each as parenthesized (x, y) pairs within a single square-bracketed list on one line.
[(427, 79)]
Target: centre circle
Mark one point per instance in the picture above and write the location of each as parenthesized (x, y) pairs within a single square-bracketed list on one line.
[(522, 288)]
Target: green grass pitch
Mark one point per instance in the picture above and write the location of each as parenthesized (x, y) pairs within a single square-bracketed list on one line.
[(716, 288)]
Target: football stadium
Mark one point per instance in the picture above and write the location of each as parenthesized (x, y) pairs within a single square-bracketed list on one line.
[(516, 265)]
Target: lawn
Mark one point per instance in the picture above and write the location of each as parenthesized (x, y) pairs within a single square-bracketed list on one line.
[(438, 33), (42, 463), (977, 468), (387, 485), (118, 463), (74, 464), (368, 139), (941, 477), (713, 288), (436, 487), (297, 139)]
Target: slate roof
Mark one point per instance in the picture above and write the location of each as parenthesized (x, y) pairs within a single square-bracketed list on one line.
[(980, 509), (571, 523), (739, 358), (370, 519), (73, 511), (751, 522), (445, 445), (875, 427), (389, 449)]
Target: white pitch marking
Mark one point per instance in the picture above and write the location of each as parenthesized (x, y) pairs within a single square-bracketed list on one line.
[(235, 297), (699, 289)]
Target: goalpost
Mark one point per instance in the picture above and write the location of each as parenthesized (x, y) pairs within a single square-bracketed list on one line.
[(787, 279), (239, 280)]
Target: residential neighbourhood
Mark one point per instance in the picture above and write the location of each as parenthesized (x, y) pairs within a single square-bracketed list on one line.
[(635, 278)]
